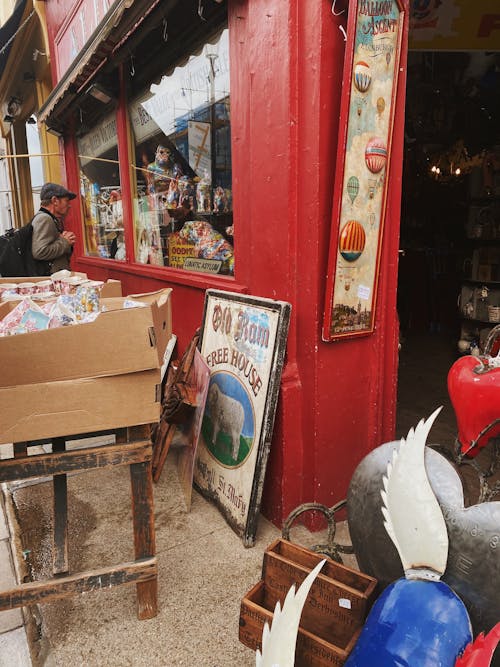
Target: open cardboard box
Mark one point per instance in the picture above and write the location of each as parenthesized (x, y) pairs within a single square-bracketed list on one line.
[(120, 340), (86, 377)]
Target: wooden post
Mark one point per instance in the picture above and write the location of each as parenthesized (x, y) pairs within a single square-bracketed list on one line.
[(60, 511), (144, 534)]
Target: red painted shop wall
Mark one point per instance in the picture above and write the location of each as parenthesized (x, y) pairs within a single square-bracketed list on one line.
[(337, 400)]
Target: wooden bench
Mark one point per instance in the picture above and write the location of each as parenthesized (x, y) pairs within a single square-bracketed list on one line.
[(133, 448)]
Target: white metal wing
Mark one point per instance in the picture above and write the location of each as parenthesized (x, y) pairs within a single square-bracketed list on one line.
[(278, 643), (413, 517)]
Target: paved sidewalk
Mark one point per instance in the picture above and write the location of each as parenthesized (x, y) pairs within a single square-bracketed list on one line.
[(14, 650), (204, 571)]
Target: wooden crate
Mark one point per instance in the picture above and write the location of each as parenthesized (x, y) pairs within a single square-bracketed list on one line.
[(312, 650), (340, 597)]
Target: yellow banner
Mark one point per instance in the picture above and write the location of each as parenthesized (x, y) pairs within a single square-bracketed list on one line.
[(455, 25)]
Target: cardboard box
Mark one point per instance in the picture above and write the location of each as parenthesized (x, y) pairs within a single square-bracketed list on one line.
[(340, 597), (312, 649), (52, 409), (87, 377), (122, 340)]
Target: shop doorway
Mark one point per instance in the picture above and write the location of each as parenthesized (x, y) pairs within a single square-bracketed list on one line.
[(450, 226)]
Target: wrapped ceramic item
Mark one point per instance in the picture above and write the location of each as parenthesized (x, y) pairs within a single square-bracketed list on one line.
[(7, 290), (10, 323), (27, 288)]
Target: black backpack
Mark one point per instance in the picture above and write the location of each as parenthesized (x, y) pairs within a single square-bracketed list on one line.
[(16, 257)]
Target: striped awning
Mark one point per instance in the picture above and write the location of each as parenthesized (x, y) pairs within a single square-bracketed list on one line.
[(121, 21)]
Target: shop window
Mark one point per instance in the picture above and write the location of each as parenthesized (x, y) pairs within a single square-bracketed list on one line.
[(182, 200), (101, 192)]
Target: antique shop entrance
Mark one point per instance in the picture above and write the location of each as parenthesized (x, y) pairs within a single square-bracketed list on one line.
[(449, 279)]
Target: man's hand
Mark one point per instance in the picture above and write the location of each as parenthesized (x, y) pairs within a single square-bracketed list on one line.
[(69, 236)]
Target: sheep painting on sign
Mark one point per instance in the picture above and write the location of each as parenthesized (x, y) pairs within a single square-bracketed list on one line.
[(243, 341)]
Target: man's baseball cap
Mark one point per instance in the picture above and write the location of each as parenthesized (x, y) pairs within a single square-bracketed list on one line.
[(50, 190)]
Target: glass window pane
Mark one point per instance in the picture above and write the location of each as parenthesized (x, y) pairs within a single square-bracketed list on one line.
[(183, 205), (101, 191)]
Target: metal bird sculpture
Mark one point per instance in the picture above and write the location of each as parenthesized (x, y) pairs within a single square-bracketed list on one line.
[(418, 620), (278, 643), (480, 653), (413, 517)]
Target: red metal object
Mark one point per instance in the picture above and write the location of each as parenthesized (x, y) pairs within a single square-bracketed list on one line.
[(474, 389), (480, 652)]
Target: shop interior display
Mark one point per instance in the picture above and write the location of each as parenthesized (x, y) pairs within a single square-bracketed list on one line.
[(183, 206), (450, 223)]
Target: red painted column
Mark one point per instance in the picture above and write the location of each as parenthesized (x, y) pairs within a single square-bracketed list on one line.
[(337, 399)]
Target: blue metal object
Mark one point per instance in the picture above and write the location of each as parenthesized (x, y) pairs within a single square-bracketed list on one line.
[(413, 623)]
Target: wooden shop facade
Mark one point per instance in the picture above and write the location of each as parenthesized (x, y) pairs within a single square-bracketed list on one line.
[(214, 144)]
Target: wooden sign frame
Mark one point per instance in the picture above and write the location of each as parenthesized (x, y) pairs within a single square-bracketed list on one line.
[(371, 73), (243, 341)]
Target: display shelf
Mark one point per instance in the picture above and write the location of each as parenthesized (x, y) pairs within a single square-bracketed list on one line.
[(479, 298), (478, 319), (475, 281)]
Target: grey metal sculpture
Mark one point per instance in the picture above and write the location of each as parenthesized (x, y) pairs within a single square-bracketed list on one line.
[(473, 569)]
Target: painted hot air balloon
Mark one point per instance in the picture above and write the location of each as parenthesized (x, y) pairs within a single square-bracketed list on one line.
[(375, 155), (362, 76), (352, 240), (353, 188), (380, 106)]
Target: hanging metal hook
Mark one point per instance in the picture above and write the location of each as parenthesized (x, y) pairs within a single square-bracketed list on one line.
[(165, 33), (333, 9), (342, 30), (132, 66), (200, 10)]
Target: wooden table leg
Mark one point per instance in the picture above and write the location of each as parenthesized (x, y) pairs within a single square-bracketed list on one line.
[(60, 515), (144, 534)]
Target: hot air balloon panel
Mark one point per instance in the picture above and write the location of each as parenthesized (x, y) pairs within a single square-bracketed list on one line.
[(362, 76), (368, 107), (352, 241)]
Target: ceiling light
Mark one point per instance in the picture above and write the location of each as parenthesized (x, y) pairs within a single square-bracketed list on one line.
[(99, 93)]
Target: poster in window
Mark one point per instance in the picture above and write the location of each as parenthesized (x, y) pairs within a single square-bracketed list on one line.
[(367, 114), (243, 341)]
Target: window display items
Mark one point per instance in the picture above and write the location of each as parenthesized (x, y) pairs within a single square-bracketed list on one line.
[(101, 191), (182, 203), (163, 172), (204, 195), (208, 243)]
